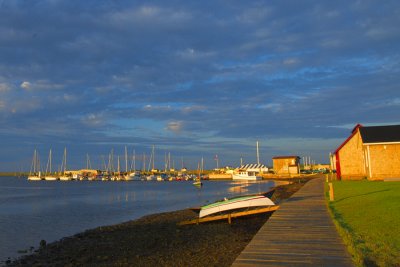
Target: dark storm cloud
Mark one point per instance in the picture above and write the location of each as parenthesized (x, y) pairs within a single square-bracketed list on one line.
[(195, 75)]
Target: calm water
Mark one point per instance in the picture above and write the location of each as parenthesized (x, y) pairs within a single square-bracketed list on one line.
[(32, 211)]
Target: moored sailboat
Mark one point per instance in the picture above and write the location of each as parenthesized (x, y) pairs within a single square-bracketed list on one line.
[(64, 176), (34, 174), (49, 176), (197, 182)]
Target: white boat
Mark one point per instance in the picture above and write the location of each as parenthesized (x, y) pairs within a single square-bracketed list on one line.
[(34, 177), (34, 174), (49, 176), (246, 175), (237, 203), (151, 177), (133, 176), (64, 176), (250, 172), (197, 180)]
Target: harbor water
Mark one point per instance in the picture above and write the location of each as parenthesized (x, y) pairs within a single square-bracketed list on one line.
[(31, 211)]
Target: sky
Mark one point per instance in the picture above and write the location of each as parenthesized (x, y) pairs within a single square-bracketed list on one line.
[(193, 78)]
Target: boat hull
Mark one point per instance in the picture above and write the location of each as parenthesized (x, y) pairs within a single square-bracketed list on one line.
[(246, 177), (235, 203), (34, 178)]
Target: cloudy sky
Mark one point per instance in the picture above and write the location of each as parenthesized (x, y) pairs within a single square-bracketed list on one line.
[(193, 78)]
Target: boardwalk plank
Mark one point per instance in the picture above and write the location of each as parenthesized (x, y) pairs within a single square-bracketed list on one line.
[(300, 233)]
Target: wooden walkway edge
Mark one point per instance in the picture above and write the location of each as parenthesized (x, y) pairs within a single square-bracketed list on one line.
[(300, 233), (230, 216)]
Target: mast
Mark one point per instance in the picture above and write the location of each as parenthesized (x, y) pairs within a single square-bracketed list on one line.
[(34, 161), (150, 160), (88, 164), (258, 155), (65, 160), (165, 162), (134, 160), (152, 166), (48, 167), (169, 161), (50, 160), (126, 160), (118, 165), (144, 162)]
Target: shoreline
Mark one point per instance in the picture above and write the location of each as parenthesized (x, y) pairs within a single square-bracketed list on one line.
[(156, 240)]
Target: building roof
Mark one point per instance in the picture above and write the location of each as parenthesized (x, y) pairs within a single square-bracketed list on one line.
[(380, 134), (353, 132), (253, 166), (375, 134), (285, 157)]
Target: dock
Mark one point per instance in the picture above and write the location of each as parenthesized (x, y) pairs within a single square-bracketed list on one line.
[(300, 233)]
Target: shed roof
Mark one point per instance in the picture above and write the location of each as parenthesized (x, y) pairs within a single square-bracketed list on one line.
[(380, 134), (252, 166)]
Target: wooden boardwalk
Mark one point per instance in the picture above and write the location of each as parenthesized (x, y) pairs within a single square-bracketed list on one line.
[(300, 233)]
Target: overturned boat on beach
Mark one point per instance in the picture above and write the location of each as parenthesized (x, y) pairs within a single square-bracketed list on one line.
[(237, 203), (235, 207)]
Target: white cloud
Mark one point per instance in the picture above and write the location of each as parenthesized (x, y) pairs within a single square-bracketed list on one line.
[(274, 107), (290, 61), (26, 85), (93, 119), (175, 126)]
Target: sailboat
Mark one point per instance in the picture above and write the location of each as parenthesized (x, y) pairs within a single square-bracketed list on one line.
[(133, 174), (197, 182), (152, 176), (34, 174), (64, 176), (49, 176)]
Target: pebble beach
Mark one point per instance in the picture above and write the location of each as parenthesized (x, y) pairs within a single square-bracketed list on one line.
[(156, 240)]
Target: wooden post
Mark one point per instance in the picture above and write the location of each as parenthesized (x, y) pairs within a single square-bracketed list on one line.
[(229, 218), (331, 195)]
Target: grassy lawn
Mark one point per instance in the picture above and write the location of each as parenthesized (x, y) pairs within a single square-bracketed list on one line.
[(368, 215)]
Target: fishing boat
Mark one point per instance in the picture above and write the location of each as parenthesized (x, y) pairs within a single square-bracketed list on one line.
[(250, 172), (244, 174), (237, 203)]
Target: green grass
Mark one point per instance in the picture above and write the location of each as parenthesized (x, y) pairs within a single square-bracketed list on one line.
[(368, 217)]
